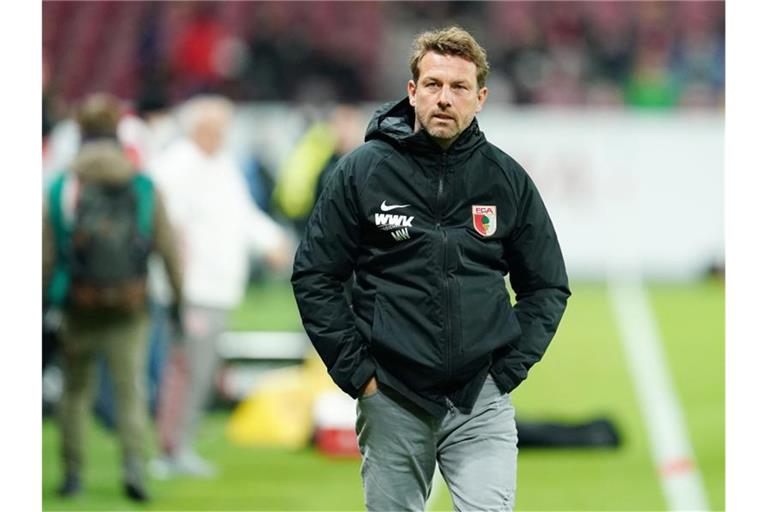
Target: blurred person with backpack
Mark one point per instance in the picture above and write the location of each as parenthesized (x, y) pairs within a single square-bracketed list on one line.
[(218, 228), (102, 219), (144, 132)]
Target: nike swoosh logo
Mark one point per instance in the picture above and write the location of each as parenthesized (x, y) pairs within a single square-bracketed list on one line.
[(385, 207)]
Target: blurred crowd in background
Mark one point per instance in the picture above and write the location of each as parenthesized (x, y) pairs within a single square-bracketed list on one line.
[(637, 54), (335, 57)]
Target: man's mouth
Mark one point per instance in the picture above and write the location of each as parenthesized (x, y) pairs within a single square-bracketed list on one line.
[(444, 117)]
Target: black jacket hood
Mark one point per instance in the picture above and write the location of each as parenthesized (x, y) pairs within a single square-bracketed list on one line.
[(394, 121)]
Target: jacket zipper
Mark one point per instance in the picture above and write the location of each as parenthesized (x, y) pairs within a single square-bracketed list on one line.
[(446, 286), (451, 406)]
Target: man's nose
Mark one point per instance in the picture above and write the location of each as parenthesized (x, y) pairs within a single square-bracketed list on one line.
[(444, 100)]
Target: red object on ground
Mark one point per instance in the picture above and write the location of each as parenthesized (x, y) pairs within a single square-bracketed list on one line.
[(337, 442)]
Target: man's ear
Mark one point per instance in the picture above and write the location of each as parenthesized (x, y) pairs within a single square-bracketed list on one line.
[(411, 88), (482, 95)]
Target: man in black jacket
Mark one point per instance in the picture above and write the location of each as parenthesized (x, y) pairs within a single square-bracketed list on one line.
[(428, 217)]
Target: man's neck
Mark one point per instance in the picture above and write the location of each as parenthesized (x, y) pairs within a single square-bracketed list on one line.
[(445, 144)]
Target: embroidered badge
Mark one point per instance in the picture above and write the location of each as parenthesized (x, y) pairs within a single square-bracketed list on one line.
[(484, 219)]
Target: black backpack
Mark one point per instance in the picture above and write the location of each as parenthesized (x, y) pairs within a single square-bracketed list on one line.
[(102, 252)]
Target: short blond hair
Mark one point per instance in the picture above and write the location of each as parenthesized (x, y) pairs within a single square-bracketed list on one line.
[(98, 115), (450, 41)]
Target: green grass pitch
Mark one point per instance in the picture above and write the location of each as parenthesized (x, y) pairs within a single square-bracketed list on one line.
[(582, 375)]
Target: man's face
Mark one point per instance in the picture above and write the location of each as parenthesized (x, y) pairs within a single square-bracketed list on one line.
[(446, 97), (209, 133)]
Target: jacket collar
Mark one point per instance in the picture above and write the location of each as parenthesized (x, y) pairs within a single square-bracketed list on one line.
[(394, 122)]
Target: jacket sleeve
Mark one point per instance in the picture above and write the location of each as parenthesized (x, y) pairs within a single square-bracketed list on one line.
[(537, 275), (325, 259), (166, 247)]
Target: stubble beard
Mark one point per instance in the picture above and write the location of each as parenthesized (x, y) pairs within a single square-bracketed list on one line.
[(444, 134)]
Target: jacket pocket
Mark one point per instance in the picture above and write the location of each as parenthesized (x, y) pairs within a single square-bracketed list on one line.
[(401, 333), (486, 316)]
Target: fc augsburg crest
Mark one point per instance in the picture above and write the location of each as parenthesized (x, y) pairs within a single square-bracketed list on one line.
[(484, 219)]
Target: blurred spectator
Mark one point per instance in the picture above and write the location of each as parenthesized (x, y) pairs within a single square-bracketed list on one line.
[(259, 180), (520, 55), (610, 37), (49, 335), (94, 214), (698, 56), (195, 49), (348, 128), (218, 226), (298, 175), (60, 135), (277, 60), (650, 82), (150, 128), (564, 35), (302, 174), (143, 136)]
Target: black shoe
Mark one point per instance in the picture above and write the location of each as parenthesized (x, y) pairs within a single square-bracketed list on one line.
[(133, 480), (135, 492), (70, 487)]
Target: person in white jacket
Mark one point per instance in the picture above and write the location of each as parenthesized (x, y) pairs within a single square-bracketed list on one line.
[(219, 228)]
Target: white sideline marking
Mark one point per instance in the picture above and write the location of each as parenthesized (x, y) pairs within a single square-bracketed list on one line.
[(672, 453), (437, 487)]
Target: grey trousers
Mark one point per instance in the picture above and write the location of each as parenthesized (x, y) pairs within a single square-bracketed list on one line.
[(400, 444), (188, 379)]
